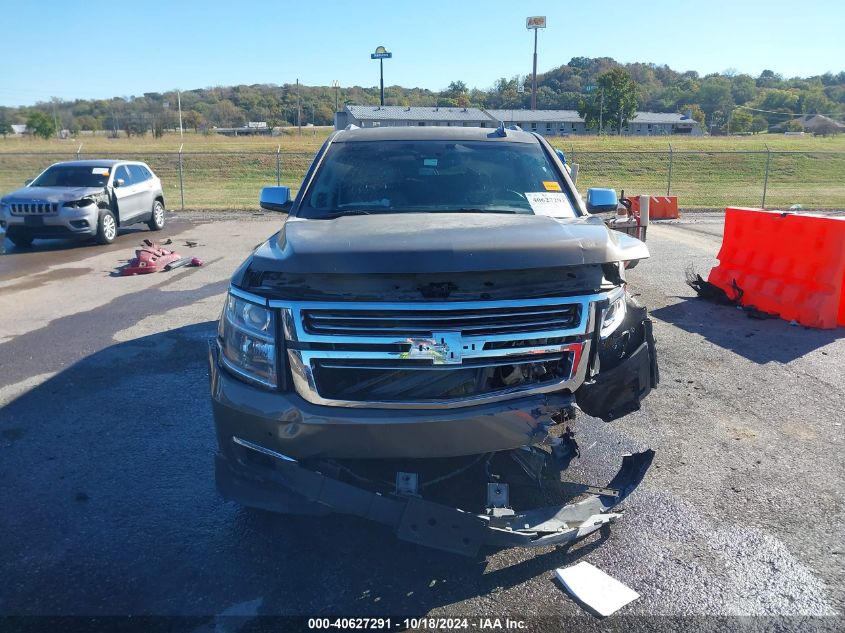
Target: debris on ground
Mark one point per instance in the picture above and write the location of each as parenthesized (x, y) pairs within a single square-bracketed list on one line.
[(595, 589), (177, 264), (196, 262), (190, 243), (713, 293), (150, 258)]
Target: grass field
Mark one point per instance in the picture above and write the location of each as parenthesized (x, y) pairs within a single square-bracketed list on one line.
[(227, 172)]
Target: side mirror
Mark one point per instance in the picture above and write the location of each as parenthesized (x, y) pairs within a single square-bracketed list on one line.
[(275, 199), (601, 200), (561, 155), (119, 182), (27, 182)]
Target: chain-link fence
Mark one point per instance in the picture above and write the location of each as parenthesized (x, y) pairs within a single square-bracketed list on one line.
[(716, 179), (700, 179)]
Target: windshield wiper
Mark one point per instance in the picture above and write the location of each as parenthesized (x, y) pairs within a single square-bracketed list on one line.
[(471, 210), (340, 214)]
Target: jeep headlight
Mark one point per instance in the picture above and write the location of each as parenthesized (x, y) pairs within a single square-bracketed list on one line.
[(614, 315), (247, 334)]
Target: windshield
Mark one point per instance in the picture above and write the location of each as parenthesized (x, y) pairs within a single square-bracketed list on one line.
[(436, 176), (73, 176)]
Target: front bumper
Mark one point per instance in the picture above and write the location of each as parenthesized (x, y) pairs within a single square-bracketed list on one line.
[(285, 485), (66, 222), (288, 424)]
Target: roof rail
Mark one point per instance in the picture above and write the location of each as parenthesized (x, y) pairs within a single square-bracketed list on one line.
[(351, 127)]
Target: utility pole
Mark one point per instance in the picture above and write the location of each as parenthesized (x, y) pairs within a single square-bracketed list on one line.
[(55, 117), (536, 22), (336, 86), (298, 108), (179, 100), (601, 111)]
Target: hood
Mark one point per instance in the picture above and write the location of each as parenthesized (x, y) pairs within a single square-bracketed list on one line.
[(49, 194), (441, 242)]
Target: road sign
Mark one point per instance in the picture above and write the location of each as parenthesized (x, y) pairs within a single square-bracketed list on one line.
[(589, 88), (535, 22), (381, 53)]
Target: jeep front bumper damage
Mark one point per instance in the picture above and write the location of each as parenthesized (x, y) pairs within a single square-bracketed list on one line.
[(288, 486)]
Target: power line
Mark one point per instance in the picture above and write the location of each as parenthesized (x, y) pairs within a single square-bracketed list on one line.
[(788, 114)]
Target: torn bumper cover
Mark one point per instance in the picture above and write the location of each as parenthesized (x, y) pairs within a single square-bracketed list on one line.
[(286, 485)]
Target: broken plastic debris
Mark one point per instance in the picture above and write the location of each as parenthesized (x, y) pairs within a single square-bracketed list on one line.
[(597, 590)]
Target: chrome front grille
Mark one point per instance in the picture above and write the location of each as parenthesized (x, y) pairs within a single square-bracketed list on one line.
[(414, 322), (34, 208), (340, 352)]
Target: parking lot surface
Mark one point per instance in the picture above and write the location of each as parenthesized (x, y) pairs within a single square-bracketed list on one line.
[(106, 446)]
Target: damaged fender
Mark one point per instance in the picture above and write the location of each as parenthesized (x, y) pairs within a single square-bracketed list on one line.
[(623, 368)]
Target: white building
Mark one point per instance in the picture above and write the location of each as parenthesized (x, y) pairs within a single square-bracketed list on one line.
[(379, 116), (545, 122)]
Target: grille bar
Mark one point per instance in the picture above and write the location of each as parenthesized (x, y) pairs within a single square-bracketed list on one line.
[(411, 322), (34, 208)]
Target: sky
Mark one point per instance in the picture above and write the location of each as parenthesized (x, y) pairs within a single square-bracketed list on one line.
[(94, 49)]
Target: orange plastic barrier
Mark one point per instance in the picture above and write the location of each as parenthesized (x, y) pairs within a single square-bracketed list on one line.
[(659, 207), (786, 264)]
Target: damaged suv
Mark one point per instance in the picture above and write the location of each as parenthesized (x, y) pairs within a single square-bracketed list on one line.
[(433, 296)]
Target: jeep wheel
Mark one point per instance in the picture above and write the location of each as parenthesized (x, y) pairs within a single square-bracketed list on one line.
[(156, 222), (21, 241), (106, 228)]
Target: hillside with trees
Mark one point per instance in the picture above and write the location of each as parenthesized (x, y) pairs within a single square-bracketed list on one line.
[(724, 102)]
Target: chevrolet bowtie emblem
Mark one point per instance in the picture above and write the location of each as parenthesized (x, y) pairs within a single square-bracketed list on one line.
[(443, 348)]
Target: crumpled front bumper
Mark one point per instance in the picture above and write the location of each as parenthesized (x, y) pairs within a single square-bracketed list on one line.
[(285, 485)]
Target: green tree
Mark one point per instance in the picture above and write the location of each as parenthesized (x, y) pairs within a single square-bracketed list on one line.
[(193, 119), (616, 107), (86, 122), (793, 126), (739, 122), (41, 125), (759, 124), (5, 128)]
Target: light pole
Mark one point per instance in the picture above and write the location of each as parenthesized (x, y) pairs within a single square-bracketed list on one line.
[(535, 22), (336, 86), (381, 54)]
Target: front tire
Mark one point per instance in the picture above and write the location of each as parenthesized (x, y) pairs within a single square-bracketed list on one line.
[(106, 227), (156, 222)]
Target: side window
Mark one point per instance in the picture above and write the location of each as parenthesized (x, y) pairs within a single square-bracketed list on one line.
[(139, 174), (122, 172)]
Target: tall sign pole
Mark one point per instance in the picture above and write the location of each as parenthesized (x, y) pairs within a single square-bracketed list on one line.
[(535, 23), (381, 54)]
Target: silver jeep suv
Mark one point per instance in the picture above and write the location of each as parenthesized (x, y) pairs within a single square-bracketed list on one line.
[(83, 198)]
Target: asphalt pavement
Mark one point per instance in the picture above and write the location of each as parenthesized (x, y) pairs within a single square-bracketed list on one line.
[(108, 505)]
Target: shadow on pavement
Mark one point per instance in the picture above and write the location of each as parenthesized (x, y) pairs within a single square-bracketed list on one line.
[(761, 341), (110, 508)]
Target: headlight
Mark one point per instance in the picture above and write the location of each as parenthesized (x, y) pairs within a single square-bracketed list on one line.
[(614, 315), (248, 342), (76, 204)]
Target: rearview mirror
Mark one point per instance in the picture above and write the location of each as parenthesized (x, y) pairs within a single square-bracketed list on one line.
[(601, 200), (119, 182), (27, 182), (275, 199)]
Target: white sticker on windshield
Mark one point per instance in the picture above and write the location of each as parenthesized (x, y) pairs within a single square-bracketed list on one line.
[(430, 162), (100, 171), (550, 203)]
